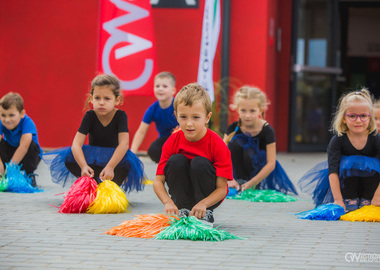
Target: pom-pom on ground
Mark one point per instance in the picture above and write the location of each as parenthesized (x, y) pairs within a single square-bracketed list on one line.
[(327, 212), (368, 213), (110, 199), (265, 195), (144, 226), (3, 182), (81, 194), (17, 180), (191, 228)]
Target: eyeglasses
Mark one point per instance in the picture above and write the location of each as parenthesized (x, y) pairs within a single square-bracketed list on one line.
[(353, 116)]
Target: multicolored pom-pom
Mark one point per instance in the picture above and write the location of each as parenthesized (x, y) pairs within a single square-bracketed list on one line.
[(110, 198), (79, 197), (327, 212), (144, 226), (191, 228), (16, 180), (264, 195), (368, 213)]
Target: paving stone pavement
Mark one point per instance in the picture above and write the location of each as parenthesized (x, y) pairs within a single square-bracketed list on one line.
[(35, 236)]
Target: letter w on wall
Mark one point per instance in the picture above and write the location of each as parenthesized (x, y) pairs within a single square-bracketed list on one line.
[(127, 48)]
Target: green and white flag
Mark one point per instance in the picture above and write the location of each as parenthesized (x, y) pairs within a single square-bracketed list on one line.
[(209, 42)]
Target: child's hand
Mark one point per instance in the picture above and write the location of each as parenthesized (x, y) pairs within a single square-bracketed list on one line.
[(199, 210), (248, 185), (233, 184), (107, 173), (171, 209), (2, 170), (87, 171), (375, 201), (341, 203)]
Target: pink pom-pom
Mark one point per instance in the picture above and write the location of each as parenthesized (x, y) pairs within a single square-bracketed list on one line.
[(81, 194)]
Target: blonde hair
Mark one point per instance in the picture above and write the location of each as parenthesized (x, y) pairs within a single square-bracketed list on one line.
[(362, 95), (12, 99), (105, 80), (166, 74), (191, 93), (249, 92)]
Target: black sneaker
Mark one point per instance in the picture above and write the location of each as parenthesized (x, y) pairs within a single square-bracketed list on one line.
[(208, 219), (183, 212), (32, 177)]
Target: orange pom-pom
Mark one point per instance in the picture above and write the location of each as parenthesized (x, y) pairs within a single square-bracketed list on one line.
[(144, 226)]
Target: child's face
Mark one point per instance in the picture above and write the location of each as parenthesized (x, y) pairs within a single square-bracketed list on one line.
[(164, 89), (357, 126), (11, 118), (249, 112), (104, 100), (192, 120), (376, 114)]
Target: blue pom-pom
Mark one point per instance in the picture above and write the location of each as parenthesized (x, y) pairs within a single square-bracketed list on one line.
[(327, 212), (17, 179), (232, 192)]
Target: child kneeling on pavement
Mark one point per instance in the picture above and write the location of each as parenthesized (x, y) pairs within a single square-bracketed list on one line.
[(195, 162)]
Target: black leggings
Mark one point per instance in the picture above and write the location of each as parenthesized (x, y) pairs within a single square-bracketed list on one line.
[(29, 162), (360, 187), (190, 181), (155, 149)]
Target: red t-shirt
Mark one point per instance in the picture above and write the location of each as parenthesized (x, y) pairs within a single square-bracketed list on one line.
[(211, 146)]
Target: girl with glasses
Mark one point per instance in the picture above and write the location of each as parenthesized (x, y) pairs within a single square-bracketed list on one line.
[(352, 177)]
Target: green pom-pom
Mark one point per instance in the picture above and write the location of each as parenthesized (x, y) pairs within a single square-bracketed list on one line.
[(3, 183), (190, 228), (265, 195)]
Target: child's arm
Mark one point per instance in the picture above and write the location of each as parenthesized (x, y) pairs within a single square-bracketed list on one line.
[(199, 210), (2, 169), (266, 170), (139, 136), (76, 148), (335, 189), (22, 149), (376, 197), (108, 172), (162, 194)]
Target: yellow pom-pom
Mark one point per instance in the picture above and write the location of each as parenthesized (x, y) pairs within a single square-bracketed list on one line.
[(110, 198), (147, 181), (368, 213)]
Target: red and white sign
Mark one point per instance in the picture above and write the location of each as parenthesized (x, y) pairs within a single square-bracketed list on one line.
[(127, 48)]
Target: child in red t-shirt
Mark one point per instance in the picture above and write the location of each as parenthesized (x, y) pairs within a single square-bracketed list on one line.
[(195, 162)]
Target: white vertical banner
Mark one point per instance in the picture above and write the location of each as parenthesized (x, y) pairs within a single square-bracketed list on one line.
[(209, 42)]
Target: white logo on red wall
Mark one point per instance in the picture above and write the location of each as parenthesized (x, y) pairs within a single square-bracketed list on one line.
[(127, 44)]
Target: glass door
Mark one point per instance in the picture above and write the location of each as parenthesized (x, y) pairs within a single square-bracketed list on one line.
[(314, 73)]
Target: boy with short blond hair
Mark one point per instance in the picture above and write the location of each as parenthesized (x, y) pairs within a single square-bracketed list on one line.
[(161, 113), (18, 136), (195, 162)]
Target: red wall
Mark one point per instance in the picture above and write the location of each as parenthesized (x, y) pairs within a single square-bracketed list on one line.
[(254, 59), (49, 50)]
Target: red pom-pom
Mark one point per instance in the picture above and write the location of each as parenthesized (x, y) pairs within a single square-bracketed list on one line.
[(81, 194)]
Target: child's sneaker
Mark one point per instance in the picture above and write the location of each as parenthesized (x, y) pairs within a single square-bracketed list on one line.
[(351, 204), (364, 202), (208, 219), (33, 179), (183, 212)]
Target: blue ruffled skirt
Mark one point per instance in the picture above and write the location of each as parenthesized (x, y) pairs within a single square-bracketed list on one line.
[(316, 181), (277, 179), (95, 156)]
